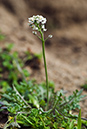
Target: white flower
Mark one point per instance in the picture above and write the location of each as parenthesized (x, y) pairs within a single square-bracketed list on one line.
[(39, 17), (44, 20), (38, 21), (50, 36), (31, 20), (34, 27), (34, 32), (43, 26), (44, 29)]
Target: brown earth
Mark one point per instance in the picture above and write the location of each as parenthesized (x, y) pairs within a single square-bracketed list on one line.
[(66, 52)]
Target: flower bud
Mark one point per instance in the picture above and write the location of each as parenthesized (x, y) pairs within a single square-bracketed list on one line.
[(50, 36)]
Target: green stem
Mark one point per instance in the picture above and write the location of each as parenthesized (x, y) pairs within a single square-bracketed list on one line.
[(43, 49)]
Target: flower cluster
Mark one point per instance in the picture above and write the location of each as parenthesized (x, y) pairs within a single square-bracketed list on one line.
[(37, 23)]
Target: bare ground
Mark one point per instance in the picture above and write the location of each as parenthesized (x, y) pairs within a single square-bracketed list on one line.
[(66, 52)]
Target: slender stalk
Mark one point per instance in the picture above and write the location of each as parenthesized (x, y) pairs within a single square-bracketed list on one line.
[(45, 65), (37, 23)]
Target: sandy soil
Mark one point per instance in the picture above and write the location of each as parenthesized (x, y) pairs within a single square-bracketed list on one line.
[(66, 52)]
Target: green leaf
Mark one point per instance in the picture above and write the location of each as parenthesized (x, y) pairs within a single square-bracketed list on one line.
[(79, 120), (55, 125), (71, 126), (39, 56), (2, 37), (27, 119), (33, 101), (10, 46), (26, 73), (42, 102)]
